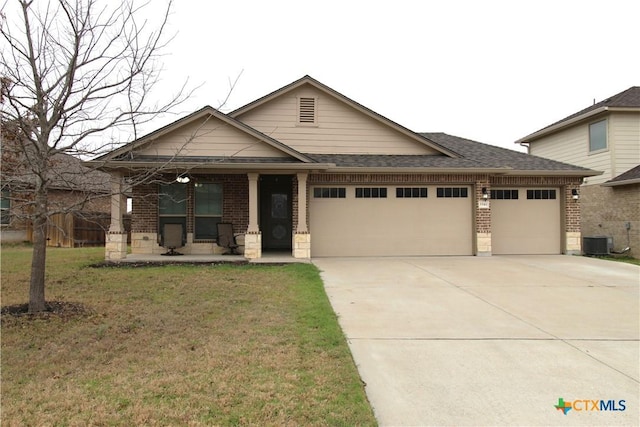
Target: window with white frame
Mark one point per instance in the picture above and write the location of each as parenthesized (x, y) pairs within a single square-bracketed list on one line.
[(598, 136)]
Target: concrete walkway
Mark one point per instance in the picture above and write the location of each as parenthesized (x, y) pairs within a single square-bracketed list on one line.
[(491, 341)]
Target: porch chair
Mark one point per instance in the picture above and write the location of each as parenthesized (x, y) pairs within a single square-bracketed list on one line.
[(172, 238), (226, 239)]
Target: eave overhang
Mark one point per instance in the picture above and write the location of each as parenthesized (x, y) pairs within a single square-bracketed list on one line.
[(576, 173), (619, 183), (566, 123), (199, 167), (185, 166)]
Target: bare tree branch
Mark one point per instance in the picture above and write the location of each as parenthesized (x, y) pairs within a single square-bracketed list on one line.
[(73, 69)]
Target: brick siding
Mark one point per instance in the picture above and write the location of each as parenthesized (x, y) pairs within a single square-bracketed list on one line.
[(235, 203), (606, 210), (236, 195)]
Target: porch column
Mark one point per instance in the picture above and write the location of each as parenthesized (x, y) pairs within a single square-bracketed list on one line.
[(253, 237), (302, 238), (116, 238)]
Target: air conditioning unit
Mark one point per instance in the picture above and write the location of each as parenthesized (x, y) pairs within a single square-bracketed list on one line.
[(597, 245)]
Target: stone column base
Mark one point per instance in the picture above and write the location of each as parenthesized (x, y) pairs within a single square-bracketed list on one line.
[(573, 243), (253, 245), (483, 244), (302, 245), (115, 247)]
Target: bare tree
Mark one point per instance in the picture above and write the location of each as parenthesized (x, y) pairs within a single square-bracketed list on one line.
[(73, 70)]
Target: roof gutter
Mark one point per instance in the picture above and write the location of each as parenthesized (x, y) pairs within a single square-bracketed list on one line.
[(618, 183), (173, 166), (579, 173), (382, 169)]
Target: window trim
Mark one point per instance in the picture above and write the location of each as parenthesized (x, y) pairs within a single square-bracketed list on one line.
[(606, 137), (196, 216), (180, 218)]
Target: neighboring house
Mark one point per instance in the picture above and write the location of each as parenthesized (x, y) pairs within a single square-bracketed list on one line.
[(78, 199), (309, 171), (604, 137)]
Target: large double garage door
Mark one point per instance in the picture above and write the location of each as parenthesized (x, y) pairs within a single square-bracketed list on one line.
[(391, 220), (418, 220)]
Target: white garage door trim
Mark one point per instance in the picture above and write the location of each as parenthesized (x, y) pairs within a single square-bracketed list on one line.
[(356, 220)]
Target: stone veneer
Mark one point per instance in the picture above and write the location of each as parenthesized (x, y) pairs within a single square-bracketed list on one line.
[(115, 247), (302, 245), (253, 245)]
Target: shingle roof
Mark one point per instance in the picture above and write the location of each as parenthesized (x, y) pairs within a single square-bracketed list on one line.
[(474, 155), (629, 98), (631, 176), (393, 161), (485, 155), (65, 172)]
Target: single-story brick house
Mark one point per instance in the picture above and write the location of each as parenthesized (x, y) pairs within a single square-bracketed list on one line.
[(307, 170)]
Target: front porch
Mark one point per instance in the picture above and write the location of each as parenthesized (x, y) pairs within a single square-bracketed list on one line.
[(268, 213), (267, 258)]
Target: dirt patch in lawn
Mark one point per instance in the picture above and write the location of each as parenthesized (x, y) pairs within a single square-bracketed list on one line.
[(59, 309)]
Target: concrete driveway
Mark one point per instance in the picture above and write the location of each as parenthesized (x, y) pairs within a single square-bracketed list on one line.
[(491, 340)]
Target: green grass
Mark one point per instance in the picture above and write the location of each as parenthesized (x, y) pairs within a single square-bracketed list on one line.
[(627, 259), (176, 345)]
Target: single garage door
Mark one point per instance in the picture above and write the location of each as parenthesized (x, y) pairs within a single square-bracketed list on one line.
[(390, 220), (525, 221)]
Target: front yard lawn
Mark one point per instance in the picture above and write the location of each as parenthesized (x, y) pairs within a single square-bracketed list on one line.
[(175, 345)]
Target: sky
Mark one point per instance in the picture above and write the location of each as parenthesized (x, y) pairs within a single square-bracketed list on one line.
[(493, 71)]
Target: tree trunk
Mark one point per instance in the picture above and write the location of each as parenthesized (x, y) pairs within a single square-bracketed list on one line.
[(39, 257)]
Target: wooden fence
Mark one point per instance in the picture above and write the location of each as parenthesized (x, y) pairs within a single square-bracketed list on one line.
[(78, 229)]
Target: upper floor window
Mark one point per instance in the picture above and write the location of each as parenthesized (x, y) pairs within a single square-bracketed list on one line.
[(598, 136)]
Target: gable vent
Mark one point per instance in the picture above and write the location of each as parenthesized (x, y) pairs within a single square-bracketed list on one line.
[(307, 110)]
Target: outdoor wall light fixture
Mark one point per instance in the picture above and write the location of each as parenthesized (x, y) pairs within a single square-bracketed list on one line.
[(485, 194), (183, 179), (574, 194)]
